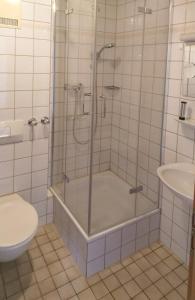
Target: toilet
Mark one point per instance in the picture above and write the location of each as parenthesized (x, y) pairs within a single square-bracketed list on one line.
[(18, 226)]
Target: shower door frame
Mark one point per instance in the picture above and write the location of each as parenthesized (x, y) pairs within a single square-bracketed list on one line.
[(139, 118), (94, 95)]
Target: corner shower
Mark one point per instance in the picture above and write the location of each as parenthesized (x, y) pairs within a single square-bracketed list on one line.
[(109, 88)]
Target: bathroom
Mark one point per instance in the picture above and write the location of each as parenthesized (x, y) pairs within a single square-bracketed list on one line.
[(97, 149)]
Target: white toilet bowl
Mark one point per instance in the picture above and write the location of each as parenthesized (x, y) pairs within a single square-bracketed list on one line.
[(18, 226)]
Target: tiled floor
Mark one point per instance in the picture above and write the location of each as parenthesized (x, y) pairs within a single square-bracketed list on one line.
[(47, 271)]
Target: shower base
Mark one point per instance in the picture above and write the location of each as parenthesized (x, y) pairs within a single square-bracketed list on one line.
[(112, 239), (111, 202)]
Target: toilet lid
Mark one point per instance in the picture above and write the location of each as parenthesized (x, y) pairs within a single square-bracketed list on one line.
[(18, 220)]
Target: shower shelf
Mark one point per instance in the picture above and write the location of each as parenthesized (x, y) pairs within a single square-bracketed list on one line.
[(188, 122), (112, 87), (80, 116)]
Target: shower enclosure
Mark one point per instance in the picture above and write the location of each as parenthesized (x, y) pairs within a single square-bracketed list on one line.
[(109, 88)]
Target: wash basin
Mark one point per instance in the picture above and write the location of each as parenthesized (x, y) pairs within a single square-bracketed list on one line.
[(179, 177)]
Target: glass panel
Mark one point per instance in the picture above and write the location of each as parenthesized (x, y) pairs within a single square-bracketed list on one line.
[(59, 106), (153, 75), (119, 44), (78, 85), (131, 65)]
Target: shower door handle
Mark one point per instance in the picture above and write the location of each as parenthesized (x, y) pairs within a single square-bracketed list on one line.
[(103, 98)]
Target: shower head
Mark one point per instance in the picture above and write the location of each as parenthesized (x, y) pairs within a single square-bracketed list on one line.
[(106, 46)]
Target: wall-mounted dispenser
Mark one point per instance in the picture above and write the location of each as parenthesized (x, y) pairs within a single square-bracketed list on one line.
[(10, 13)]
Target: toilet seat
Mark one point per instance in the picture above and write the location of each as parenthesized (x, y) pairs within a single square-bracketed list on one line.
[(18, 221)]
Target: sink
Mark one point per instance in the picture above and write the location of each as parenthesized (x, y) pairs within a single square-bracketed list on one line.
[(179, 177)]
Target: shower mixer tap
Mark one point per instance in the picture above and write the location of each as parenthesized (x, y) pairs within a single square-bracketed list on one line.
[(45, 121), (33, 122)]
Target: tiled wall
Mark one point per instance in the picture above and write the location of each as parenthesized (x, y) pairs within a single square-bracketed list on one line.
[(97, 253), (137, 116), (179, 140), (24, 92)]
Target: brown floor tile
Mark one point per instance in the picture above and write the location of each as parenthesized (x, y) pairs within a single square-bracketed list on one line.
[(164, 286), (162, 268), (33, 244), (155, 246), (66, 291), (140, 296), (42, 274), (132, 288), (153, 293), (127, 261), (143, 281), (137, 256), (173, 279), (146, 251), (172, 262), (123, 276), (10, 275), (115, 268), (183, 290), (162, 253), (133, 270), (46, 286), (74, 298), (38, 263), (153, 274), (32, 293), (60, 279), (93, 279), (107, 297), (80, 284), (41, 230), (34, 253), (43, 239), (27, 280), (24, 269), (46, 248), (18, 296), (55, 268), (73, 273), (50, 257), (111, 283), (47, 271), (67, 262), (52, 296), (105, 273), (182, 272), (153, 258), (86, 295), (143, 264), (53, 235), (62, 252), (12, 287), (57, 244), (99, 290), (173, 296), (120, 293), (22, 259)]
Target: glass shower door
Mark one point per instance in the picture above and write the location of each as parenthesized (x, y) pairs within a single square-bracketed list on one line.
[(151, 106), (59, 101), (80, 38), (119, 40)]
